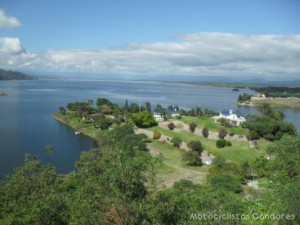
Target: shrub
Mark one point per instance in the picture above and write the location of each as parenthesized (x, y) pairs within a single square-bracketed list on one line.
[(231, 134), (220, 143), (222, 132), (176, 142), (228, 143), (171, 126), (192, 158), (192, 126), (156, 135), (195, 146), (205, 132)]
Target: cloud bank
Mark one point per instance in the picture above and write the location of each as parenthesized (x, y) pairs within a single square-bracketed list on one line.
[(8, 21), (191, 54)]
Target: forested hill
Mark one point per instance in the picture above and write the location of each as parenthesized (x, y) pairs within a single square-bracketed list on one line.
[(14, 75)]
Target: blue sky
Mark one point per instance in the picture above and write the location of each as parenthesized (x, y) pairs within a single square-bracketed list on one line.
[(193, 37)]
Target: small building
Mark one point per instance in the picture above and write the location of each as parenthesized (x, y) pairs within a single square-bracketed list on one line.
[(158, 117), (234, 117)]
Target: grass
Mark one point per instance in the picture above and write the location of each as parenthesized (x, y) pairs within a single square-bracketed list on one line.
[(173, 169), (211, 125), (239, 151)]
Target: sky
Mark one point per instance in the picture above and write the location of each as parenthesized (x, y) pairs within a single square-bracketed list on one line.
[(139, 39)]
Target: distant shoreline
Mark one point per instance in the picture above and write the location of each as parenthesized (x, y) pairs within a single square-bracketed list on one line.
[(289, 102)]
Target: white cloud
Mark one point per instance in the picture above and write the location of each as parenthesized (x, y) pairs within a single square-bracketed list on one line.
[(10, 45), (192, 54), (8, 21)]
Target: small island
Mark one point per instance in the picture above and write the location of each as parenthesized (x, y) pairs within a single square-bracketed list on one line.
[(235, 89), (3, 94)]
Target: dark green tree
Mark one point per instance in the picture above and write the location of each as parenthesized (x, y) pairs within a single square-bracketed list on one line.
[(196, 146)]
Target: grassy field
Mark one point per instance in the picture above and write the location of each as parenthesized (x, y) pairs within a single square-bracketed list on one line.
[(173, 169), (211, 125), (239, 151)]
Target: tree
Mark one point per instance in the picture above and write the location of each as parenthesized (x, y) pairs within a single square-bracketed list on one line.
[(90, 102), (103, 101), (244, 97), (148, 106), (62, 110), (126, 108), (284, 163), (192, 127), (171, 126), (265, 108), (144, 119), (192, 158), (134, 108), (196, 146), (224, 122), (205, 132), (49, 149), (252, 135), (176, 141), (222, 132)]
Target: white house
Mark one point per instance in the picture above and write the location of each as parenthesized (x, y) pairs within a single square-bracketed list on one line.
[(234, 117), (158, 117)]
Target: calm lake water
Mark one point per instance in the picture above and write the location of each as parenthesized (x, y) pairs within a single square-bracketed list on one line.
[(27, 126)]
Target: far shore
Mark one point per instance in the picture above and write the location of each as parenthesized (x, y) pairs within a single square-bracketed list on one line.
[(290, 102)]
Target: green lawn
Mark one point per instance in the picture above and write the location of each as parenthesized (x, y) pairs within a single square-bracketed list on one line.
[(239, 151), (211, 125)]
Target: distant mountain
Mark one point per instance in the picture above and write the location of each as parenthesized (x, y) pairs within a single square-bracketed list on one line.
[(14, 75)]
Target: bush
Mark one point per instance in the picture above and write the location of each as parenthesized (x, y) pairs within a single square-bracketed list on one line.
[(205, 132), (192, 158), (192, 127), (171, 126), (156, 135), (228, 143), (220, 143), (176, 142), (231, 134)]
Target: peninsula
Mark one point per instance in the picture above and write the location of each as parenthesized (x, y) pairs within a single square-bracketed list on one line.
[(14, 75)]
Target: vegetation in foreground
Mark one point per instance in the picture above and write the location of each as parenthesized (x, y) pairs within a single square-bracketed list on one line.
[(117, 184)]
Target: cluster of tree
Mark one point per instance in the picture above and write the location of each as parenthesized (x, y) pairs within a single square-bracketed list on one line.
[(244, 97), (269, 124), (274, 91), (117, 185), (107, 113)]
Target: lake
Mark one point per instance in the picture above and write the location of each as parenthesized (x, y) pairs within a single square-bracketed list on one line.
[(27, 126)]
